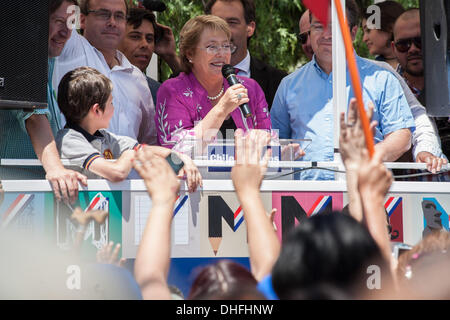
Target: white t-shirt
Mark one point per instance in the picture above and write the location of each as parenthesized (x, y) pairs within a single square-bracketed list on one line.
[(134, 107)]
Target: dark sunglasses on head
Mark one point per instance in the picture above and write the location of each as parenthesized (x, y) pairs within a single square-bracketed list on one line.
[(303, 37), (403, 45)]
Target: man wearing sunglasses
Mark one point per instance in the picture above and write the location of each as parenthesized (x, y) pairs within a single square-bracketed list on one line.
[(303, 36), (407, 47), (104, 24)]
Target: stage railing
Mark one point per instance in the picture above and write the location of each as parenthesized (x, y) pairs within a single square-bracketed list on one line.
[(214, 210)]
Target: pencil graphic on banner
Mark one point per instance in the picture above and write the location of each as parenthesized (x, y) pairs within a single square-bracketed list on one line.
[(215, 230), (218, 209), (16, 208), (215, 244)]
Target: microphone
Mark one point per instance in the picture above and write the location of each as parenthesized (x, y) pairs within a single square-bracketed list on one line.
[(230, 74), (154, 5)]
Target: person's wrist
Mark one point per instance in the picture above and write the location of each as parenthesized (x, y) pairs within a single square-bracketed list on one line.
[(248, 191), (351, 164), (375, 196), (54, 170), (220, 111), (169, 57), (162, 200)]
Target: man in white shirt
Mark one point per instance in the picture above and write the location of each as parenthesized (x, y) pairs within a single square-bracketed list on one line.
[(104, 24)]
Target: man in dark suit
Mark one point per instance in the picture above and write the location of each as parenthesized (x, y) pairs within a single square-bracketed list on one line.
[(240, 15)]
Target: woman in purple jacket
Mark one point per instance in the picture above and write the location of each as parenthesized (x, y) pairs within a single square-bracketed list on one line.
[(199, 102)]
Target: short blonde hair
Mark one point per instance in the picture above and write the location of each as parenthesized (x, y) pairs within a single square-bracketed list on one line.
[(191, 32)]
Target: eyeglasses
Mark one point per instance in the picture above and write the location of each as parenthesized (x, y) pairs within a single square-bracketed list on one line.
[(403, 45), (303, 37), (214, 49), (319, 28), (106, 15)]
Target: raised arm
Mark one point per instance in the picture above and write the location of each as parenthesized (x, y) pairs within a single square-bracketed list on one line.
[(153, 257), (166, 49), (247, 176), (368, 180), (374, 181), (351, 144)]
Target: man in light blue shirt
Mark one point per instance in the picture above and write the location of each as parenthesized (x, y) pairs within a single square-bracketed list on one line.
[(303, 104)]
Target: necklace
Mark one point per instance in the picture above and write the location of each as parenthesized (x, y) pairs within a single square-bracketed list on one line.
[(218, 95)]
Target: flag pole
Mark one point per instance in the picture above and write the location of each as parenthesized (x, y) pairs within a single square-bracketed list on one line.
[(355, 78)]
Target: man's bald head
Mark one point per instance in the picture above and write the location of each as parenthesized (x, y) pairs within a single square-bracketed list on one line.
[(409, 17), (407, 32), (304, 23), (304, 26)]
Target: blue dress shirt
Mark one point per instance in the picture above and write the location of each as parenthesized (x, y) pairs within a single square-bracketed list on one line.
[(303, 109)]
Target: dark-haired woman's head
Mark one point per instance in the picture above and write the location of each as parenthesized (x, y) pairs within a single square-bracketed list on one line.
[(222, 279), (378, 26), (329, 248)]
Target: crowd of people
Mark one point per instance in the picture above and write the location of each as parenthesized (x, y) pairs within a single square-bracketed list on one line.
[(107, 119)]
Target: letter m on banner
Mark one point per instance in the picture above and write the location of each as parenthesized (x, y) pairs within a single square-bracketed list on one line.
[(292, 210), (294, 207), (218, 209)]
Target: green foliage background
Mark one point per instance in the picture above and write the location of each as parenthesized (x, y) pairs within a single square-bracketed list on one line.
[(276, 28)]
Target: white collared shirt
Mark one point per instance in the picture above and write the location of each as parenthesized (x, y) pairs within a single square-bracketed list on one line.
[(134, 107), (244, 66), (425, 137)]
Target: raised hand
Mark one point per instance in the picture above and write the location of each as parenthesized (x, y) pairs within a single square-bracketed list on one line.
[(351, 139), (83, 218), (248, 172), (374, 179), (165, 47), (109, 256), (161, 182)]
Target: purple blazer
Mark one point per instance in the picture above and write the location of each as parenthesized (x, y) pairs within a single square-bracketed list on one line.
[(182, 102)]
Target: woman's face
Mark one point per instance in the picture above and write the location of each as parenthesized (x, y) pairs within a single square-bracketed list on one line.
[(212, 52), (378, 42)]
